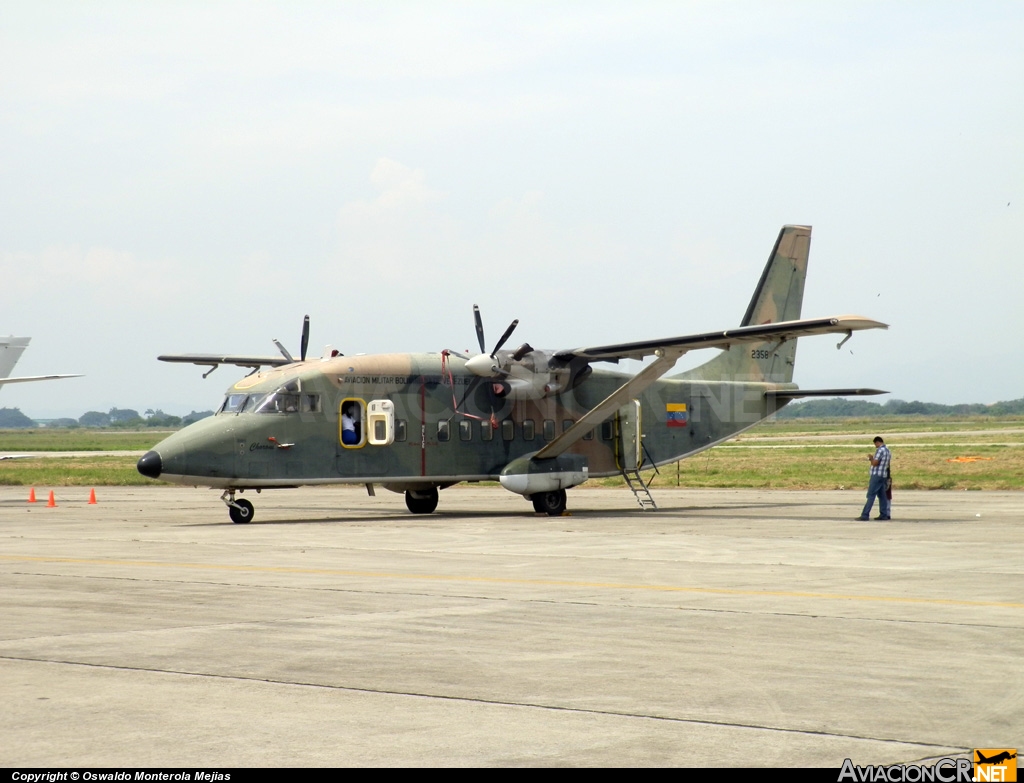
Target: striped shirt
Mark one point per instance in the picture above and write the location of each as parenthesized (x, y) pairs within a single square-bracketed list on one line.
[(882, 457)]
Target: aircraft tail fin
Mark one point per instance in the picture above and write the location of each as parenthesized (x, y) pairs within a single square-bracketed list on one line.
[(10, 351), (779, 296)]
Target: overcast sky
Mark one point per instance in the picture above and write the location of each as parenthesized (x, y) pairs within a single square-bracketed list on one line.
[(196, 177)]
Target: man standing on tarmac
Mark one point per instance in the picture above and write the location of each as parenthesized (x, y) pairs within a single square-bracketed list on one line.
[(877, 483)]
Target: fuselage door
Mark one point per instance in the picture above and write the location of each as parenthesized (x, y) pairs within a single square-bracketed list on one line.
[(629, 445)]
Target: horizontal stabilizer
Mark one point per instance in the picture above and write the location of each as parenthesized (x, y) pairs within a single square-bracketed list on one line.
[(29, 378), (795, 394)]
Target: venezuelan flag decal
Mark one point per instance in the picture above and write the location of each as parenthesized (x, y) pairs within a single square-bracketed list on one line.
[(676, 415)]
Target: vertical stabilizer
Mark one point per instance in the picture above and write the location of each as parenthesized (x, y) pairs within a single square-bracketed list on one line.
[(10, 352), (778, 297)]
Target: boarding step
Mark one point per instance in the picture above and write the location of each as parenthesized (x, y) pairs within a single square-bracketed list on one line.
[(640, 488)]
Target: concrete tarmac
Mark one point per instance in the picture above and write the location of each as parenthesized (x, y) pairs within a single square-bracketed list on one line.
[(730, 627)]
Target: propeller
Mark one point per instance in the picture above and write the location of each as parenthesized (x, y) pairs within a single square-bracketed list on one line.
[(483, 364), (302, 347)]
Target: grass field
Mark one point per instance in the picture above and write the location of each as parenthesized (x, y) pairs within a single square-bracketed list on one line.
[(928, 453), (79, 440)]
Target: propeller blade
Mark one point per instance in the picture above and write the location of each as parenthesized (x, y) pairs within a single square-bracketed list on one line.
[(469, 390), (305, 338), (479, 329), (508, 333), (283, 350)]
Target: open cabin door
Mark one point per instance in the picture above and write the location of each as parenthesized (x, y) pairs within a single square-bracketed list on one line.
[(629, 442)]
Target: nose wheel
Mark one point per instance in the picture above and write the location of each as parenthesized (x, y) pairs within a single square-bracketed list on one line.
[(240, 511)]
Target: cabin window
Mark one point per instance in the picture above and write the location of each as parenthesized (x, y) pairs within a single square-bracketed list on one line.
[(351, 417), (549, 429), (508, 430), (401, 430), (607, 430), (465, 430), (567, 423), (486, 431), (443, 432), (309, 403), (529, 429)]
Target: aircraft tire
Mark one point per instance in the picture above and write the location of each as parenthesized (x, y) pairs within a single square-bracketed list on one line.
[(242, 512), (421, 501), (550, 503)]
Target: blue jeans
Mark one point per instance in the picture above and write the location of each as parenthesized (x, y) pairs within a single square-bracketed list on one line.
[(877, 487)]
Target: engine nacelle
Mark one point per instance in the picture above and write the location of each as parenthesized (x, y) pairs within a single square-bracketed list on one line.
[(528, 476)]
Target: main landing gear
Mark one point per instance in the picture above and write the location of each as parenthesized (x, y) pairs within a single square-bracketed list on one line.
[(550, 503), (421, 501), (240, 511)]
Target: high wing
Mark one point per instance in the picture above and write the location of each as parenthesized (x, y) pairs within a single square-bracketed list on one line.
[(215, 360), (784, 330), (669, 350), (27, 378)]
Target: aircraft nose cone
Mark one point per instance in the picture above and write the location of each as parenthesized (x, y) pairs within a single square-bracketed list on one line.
[(150, 464)]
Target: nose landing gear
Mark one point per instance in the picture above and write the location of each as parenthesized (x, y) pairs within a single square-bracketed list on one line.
[(241, 511)]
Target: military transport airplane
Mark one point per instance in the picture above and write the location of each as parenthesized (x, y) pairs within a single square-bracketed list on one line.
[(539, 422), (11, 349)]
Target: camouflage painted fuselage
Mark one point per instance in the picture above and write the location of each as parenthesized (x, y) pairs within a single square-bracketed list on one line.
[(435, 444)]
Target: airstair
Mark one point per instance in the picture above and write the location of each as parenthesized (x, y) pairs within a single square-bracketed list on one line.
[(640, 488)]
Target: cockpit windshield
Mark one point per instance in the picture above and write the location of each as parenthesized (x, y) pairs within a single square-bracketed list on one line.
[(233, 403), (284, 400)]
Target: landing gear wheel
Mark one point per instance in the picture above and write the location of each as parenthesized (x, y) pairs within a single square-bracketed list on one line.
[(241, 513), (550, 503), (421, 501)]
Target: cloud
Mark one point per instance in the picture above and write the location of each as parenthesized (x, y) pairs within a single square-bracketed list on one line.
[(95, 274)]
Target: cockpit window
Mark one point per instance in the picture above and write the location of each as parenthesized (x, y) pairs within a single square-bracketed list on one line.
[(233, 403), (278, 402)]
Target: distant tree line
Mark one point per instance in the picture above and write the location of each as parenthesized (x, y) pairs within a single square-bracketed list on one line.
[(117, 418), (840, 407), (126, 418)]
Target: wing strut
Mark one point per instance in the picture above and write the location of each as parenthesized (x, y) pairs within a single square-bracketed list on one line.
[(665, 361)]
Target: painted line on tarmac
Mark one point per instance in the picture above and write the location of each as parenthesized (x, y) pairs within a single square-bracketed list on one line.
[(507, 581)]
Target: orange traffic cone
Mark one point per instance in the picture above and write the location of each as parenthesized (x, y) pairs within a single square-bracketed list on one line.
[(92, 497), (51, 503), (32, 495)]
